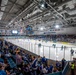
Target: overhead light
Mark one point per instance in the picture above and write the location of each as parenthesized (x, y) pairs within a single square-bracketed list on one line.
[(14, 31), (57, 26), (42, 5), (41, 28)]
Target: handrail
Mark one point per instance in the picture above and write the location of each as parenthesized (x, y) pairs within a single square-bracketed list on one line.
[(56, 73), (63, 72), (65, 69)]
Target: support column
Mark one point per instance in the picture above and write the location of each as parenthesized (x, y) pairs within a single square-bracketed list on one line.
[(49, 52), (43, 50)]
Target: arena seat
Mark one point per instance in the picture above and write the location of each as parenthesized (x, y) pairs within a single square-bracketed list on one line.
[(1, 60), (11, 63)]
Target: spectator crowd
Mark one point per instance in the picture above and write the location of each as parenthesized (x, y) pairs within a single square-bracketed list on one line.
[(57, 38), (15, 61)]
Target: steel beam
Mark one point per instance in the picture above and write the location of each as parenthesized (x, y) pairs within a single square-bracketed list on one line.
[(14, 3), (7, 12), (0, 3), (11, 8), (24, 12)]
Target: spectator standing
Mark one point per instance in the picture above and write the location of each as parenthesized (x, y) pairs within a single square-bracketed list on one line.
[(44, 60), (58, 65), (34, 65), (72, 68), (39, 60), (18, 59), (51, 68), (63, 63)]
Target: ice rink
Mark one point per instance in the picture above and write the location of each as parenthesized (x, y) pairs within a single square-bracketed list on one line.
[(50, 50)]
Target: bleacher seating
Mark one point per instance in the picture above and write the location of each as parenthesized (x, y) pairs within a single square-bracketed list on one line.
[(1, 60), (11, 63)]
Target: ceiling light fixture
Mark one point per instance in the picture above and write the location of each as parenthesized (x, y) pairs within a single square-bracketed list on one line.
[(42, 5), (41, 28), (57, 26)]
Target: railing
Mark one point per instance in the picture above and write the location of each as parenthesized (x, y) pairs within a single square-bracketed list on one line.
[(57, 73), (65, 69), (61, 72)]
